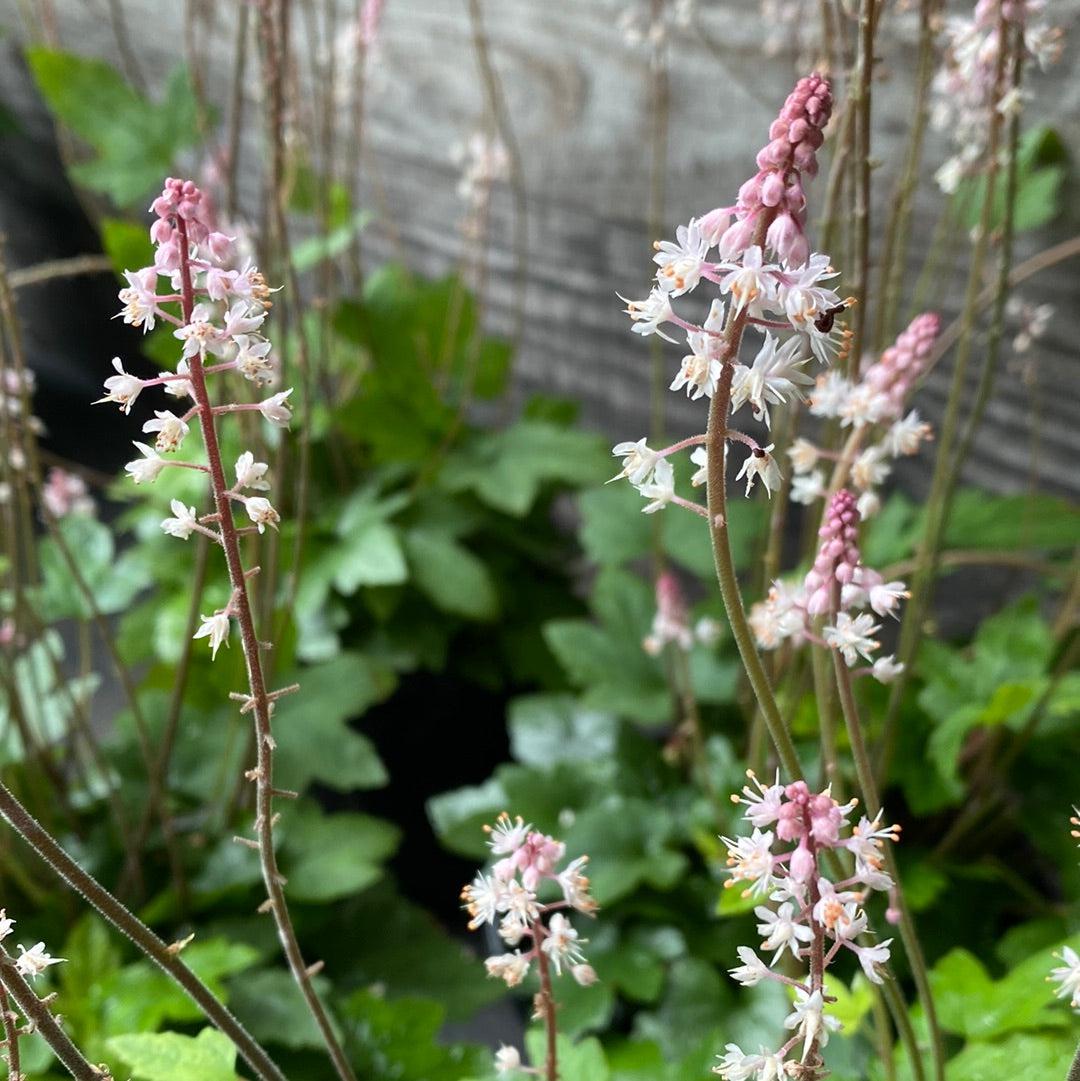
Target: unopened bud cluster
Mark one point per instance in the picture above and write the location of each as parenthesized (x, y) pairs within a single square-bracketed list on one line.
[(810, 915)]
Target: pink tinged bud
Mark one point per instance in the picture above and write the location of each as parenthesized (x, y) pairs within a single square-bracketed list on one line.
[(750, 192), (772, 189), (714, 224), (167, 256), (783, 236), (219, 244), (805, 159), (161, 231), (892, 915), (585, 975), (802, 866), (162, 206), (736, 238)]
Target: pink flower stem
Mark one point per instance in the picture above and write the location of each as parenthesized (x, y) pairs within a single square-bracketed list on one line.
[(264, 740), (689, 505), (693, 441)]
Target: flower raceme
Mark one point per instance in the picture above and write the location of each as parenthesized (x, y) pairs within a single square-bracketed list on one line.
[(837, 588), (805, 915), (224, 332), (527, 864), (767, 279)]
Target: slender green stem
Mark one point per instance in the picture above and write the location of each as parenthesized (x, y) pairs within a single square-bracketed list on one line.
[(164, 956), (872, 802)]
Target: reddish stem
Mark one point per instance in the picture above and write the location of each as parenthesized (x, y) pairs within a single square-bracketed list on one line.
[(264, 740)]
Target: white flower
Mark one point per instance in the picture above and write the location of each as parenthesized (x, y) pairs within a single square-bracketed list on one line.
[(253, 359), (799, 295), (575, 885), (870, 468), (121, 388), (750, 859), (707, 631), (512, 928), (6, 924), (261, 511), (483, 899), (250, 473), (170, 429), (507, 835), (905, 435), (850, 924), (199, 334), (751, 282), (736, 1065), (507, 1059), (700, 370), (803, 454), (146, 468), (853, 636), (584, 975), (519, 900), (216, 628), (762, 805), (781, 931), (808, 488), (773, 377), (714, 321), (872, 956), (886, 669), (760, 463), (511, 968), (681, 262), (243, 318), (1067, 976), (885, 597), (178, 388), (183, 523), (808, 1019), (752, 970), (830, 393), (275, 410), (638, 461), (868, 504), (831, 909), (661, 489), (33, 962), (648, 314), (561, 943), (866, 842), (780, 616), (700, 457), (139, 298)]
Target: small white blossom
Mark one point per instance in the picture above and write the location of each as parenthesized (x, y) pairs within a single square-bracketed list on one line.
[(507, 835), (830, 393), (199, 335), (808, 488), (6, 924), (803, 454), (772, 379), (561, 943), (216, 628), (139, 298), (33, 962), (178, 388), (868, 504), (649, 314), (261, 511), (752, 970), (511, 968), (1067, 976), (183, 523), (872, 956), (736, 1065), (253, 359), (146, 468), (760, 463), (781, 931), (682, 261), (751, 282), (885, 597), (700, 369), (809, 1020), (121, 388), (870, 468), (853, 636), (171, 430), (700, 457), (660, 490), (507, 1059), (638, 461), (886, 669), (750, 859), (275, 410), (584, 975), (905, 435), (250, 473), (483, 899)]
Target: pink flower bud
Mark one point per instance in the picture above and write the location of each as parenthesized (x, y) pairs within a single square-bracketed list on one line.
[(802, 866), (584, 974)]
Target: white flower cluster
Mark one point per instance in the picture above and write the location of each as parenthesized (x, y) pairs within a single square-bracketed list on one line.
[(966, 86), (510, 897), (32, 962), (226, 309), (810, 917)]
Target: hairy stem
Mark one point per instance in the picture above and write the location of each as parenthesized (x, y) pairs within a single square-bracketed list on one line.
[(547, 1005), (262, 707), (164, 956), (37, 1013), (11, 1036)]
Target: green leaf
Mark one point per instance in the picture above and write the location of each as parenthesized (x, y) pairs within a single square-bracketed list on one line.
[(314, 250), (545, 729), (136, 140), (507, 469), (128, 247), (168, 1056), (369, 555), (1019, 1058), (328, 857), (314, 740), (582, 1061), (451, 576), (458, 817), (981, 520), (271, 1007)]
